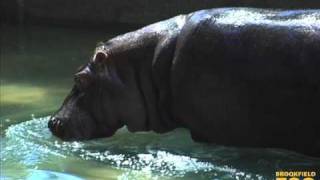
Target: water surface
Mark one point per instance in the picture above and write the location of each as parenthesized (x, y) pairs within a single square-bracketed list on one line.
[(37, 64)]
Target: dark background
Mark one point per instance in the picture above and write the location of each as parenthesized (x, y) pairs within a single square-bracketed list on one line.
[(104, 13)]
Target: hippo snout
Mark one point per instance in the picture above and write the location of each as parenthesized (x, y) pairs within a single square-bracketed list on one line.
[(55, 125)]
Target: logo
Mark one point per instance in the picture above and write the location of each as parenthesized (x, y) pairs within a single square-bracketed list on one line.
[(296, 175)]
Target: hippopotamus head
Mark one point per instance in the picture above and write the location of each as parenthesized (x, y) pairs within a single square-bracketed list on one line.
[(92, 109), (114, 89)]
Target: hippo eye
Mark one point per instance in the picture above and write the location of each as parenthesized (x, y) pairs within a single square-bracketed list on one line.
[(82, 79)]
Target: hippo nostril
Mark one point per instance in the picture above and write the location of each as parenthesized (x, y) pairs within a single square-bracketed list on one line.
[(55, 125), (51, 123)]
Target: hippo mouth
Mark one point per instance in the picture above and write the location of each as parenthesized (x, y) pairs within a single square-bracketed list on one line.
[(65, 130)]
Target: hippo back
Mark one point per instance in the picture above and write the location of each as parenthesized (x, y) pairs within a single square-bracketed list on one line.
[(249, 77)]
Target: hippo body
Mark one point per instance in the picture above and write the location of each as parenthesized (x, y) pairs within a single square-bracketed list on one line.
[(233, 76)]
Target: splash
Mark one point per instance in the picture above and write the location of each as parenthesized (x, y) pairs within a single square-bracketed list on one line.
[(137, 156)]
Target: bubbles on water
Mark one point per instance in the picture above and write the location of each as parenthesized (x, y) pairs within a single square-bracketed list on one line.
[(137, 155), (25, 141), (159, 162)]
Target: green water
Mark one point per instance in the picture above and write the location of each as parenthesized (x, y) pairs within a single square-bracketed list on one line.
[(37, 64)]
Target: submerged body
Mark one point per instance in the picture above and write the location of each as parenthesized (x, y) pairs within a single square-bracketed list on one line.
[(232, 76)]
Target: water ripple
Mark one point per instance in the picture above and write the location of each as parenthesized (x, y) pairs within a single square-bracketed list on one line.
[(170, 155)]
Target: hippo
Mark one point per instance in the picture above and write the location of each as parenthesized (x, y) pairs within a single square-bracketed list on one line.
[(241, 77)]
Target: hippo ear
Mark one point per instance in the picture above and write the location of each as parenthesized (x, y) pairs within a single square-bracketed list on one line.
[(100, 57)]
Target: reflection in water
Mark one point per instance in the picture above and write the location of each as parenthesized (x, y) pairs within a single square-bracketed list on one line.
[(15, 94), (21, 99), (42, 174)]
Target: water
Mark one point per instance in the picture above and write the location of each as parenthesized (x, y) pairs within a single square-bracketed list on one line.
[(37, 64)]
